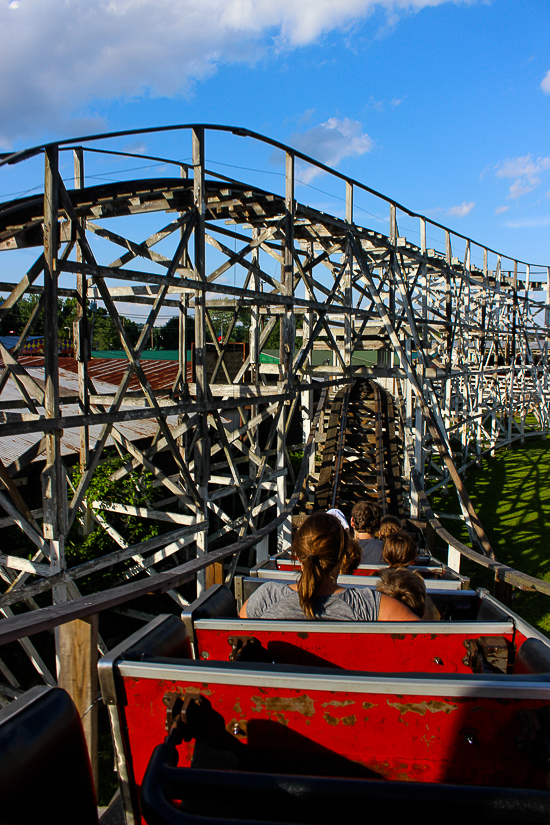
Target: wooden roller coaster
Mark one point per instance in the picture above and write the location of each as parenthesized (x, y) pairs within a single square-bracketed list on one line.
[(399, 364)]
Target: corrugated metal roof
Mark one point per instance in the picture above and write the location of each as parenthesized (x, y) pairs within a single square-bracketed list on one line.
[(160, 374), (106, 376)]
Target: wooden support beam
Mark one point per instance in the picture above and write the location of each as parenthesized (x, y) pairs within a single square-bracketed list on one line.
[(202, 444), (77, 654)]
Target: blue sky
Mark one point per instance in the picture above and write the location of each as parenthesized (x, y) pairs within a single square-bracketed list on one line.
[(444, 106)]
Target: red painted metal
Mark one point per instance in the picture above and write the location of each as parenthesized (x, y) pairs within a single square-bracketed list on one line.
[(288, 565), (362, 570), (427, 738), (312, 720), (371, 652)]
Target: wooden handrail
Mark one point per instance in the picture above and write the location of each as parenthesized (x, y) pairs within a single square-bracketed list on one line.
[(502, 572)]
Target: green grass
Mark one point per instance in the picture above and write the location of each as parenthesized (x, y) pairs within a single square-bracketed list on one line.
[(511, 494)]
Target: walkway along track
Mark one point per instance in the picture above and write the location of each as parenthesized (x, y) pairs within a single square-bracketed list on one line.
[(362, 455)]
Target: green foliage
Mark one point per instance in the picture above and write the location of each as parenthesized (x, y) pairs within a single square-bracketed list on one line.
[(18, 316), (105, 335), (273, 340), (133, 489), (167, 337), (296, 459)]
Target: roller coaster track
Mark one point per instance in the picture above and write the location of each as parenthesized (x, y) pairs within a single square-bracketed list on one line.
[(454, 336), (361, 456)]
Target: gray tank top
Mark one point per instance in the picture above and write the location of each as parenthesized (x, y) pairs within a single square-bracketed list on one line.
[(276, 600)]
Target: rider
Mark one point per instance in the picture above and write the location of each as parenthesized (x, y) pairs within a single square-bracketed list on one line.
[(320, 544)]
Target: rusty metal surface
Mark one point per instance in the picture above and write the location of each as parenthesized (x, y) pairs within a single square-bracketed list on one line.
[(106, 375), (419, 736), (160, 374)]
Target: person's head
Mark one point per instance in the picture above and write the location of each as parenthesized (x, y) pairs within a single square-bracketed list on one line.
[(389, 525), (320, 545), (405, 585), (399, 550), (365, 517)]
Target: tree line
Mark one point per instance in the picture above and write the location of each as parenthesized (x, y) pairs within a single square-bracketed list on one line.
[(104, 333)]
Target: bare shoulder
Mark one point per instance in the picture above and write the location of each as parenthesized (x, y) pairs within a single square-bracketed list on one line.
[(392, 610)]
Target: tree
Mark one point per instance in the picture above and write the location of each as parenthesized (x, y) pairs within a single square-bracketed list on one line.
[(19, 315), (168, 335), (221, 320)]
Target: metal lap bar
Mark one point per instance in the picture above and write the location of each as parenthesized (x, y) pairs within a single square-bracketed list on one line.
[(299, 798), (360, 581), (488, 628), (298, 679)]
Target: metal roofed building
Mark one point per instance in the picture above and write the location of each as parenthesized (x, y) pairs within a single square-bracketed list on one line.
[(106, 375)]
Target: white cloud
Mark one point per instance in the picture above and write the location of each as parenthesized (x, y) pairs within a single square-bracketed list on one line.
[(522, 167), (529, 223), (526, 170), (545, 83), (380, 105), (462, 210), (58, 57), (500, 209), (330, 143), (519, 188)]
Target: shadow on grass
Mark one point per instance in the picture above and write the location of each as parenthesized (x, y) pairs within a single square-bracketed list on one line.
[(511, 494)]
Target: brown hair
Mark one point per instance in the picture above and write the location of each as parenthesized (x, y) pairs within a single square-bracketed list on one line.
[(399, 550), (405, 585), (389, 525), (352, 557), (321, 545), (366, 516)]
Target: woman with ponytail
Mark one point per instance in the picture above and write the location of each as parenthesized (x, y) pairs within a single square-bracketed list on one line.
[(321, 546)]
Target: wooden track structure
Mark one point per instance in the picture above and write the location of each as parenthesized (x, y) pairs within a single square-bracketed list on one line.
[(361, 452), (457, 334)]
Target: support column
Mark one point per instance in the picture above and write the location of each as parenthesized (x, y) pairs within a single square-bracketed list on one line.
[(286, 346), (409, 429), (262, 549), (77, 651), (307, 400), (202, 449), (54, 486), (284, 531), (81, 339), (418, 456), (183, 347), (346, 283)]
